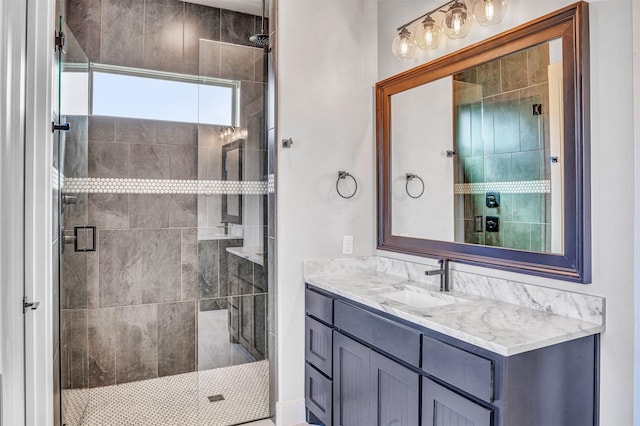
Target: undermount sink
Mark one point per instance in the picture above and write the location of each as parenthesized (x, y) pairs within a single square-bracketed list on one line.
[(418, 297)]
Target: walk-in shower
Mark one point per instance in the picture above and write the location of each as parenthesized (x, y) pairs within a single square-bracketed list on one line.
[(163, 278)]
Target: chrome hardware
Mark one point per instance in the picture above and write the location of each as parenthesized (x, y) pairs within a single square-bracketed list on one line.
[(26, 305), (409, 178), (286, 143), (450, 153), (443, 272), (69, 199), (344, 175)]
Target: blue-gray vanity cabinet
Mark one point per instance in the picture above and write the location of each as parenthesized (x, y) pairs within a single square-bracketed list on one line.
[(318, 390), (351, 382), (395, 393), (443, 407), (429, 379), (371, 389)]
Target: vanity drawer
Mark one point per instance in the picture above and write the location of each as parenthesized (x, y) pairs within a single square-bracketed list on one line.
[(319, 306), (318, 345), (462, 369), (389, 336), (318, 394)]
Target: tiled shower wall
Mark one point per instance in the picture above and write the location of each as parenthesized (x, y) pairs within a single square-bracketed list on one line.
[(129, 309), (499, 139)]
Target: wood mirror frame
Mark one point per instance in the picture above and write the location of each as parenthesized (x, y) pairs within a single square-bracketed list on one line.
[(570, 24)]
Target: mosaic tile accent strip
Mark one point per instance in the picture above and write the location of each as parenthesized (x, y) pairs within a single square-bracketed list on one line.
[(162, 186), (56, 178), (517, 187), (182, 400), (271, 183)]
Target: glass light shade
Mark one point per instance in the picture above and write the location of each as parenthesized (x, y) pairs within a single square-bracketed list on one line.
[(428, 34), (404, 47), (489, 12), (457, 21)]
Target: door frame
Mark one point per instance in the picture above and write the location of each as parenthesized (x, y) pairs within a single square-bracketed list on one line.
[(13, 15), (38, 234), (26, 358)]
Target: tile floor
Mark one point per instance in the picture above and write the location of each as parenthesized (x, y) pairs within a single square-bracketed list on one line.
[(214, 348), (181, 400)]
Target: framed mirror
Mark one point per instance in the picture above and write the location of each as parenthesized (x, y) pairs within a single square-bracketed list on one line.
[(232, 155), (483, 154)]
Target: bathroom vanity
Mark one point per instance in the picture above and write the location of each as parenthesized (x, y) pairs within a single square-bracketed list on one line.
[(247, 304), (383, 346)]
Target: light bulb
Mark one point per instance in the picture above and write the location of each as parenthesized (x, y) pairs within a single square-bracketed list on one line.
[(489, 12), (457, 21), (403, 46), (428, 34)]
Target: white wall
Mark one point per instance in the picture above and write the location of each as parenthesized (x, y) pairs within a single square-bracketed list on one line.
[(326, 71), (612, 154), (426, 132)]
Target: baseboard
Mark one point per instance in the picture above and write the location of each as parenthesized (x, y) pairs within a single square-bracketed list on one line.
[(290, 413)]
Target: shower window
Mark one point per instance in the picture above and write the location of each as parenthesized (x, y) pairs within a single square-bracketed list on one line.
[(145, 94)]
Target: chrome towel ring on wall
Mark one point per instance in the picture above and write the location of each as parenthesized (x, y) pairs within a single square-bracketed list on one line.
[(344, 175), (410, 177)]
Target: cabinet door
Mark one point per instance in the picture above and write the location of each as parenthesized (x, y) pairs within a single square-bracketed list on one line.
[(443, 407), (351, 375), (394, 393), (245, 316)]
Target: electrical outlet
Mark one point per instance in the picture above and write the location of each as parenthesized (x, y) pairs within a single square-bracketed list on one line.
[(347, 244)]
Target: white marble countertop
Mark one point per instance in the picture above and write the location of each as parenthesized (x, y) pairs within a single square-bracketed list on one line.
[(254, 254), (503, 328)]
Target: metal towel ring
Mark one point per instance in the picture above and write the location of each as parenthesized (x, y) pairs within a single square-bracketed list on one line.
[(410, 177), (344, 175)]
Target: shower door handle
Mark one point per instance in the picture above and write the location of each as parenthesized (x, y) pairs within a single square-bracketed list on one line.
[(73, 239)]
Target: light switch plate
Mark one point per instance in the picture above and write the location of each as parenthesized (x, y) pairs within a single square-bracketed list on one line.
[(347, 244)]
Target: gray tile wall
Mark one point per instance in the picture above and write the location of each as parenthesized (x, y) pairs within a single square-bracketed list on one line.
[(498, 139), (154, 34), (134, 300)]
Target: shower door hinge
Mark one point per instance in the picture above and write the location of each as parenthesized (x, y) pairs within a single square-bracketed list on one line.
[(26, 305), (62, 127), (60, 41)]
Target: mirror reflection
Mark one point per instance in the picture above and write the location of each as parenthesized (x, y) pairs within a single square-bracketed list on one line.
[(480, 154), (232, 154)]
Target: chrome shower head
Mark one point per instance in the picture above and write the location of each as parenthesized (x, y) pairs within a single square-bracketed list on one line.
[(260, 40)]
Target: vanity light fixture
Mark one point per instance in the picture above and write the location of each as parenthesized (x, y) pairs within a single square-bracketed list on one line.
[(428, 34), (456, 21), (489, 12), (403, 45)]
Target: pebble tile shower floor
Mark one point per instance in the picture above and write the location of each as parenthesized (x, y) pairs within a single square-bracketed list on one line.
[(180, 400)]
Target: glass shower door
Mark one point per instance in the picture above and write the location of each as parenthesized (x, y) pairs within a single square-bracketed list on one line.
[(77, 239)]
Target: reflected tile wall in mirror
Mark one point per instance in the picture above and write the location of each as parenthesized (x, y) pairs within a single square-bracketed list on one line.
[(502, 142)]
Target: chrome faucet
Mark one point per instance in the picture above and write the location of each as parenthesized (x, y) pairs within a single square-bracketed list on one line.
[(443, 272)]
